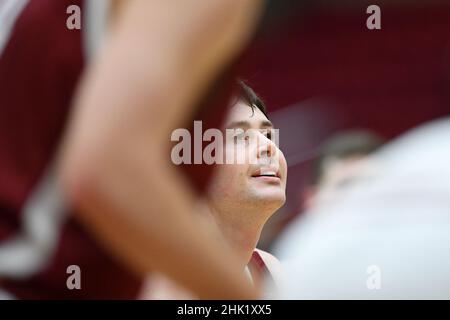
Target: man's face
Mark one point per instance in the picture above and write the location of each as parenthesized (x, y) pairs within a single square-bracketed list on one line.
[(259, 183)]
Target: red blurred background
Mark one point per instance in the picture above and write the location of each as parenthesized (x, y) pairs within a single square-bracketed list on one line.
[(321, 70)]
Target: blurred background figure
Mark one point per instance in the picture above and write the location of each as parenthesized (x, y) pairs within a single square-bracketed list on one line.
[(340, 159)]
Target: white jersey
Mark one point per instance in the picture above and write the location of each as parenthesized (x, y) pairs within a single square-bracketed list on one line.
[(387, 236)]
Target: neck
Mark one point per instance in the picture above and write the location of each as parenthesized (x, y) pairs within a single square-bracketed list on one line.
[(242, 237)]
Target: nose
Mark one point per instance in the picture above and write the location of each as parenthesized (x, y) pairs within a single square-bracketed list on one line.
[(266, 147)]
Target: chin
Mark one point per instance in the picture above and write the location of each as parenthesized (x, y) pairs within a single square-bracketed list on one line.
[(274, 198)]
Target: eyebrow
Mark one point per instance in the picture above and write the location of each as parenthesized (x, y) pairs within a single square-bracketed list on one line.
[(246, 124)]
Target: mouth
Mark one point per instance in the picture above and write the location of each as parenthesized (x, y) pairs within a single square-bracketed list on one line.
[(267, 173)]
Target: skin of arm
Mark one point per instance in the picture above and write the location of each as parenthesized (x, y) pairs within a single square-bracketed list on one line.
[(114, 163)]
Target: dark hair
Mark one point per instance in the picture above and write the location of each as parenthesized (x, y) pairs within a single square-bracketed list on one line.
[(345, 145), (246, 94)]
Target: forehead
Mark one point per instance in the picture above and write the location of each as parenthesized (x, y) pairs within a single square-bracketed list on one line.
[(243, 112)]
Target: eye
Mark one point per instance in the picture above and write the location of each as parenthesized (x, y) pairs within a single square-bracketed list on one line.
[(267, 133), (239, 137)]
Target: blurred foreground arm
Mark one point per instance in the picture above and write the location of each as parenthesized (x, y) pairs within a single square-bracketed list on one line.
[(158, 59)]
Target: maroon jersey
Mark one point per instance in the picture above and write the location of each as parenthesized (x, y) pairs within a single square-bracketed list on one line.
[(40, 64)]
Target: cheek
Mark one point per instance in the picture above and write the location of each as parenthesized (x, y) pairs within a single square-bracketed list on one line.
[(283, 164), (229, 178), (285, 167)]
